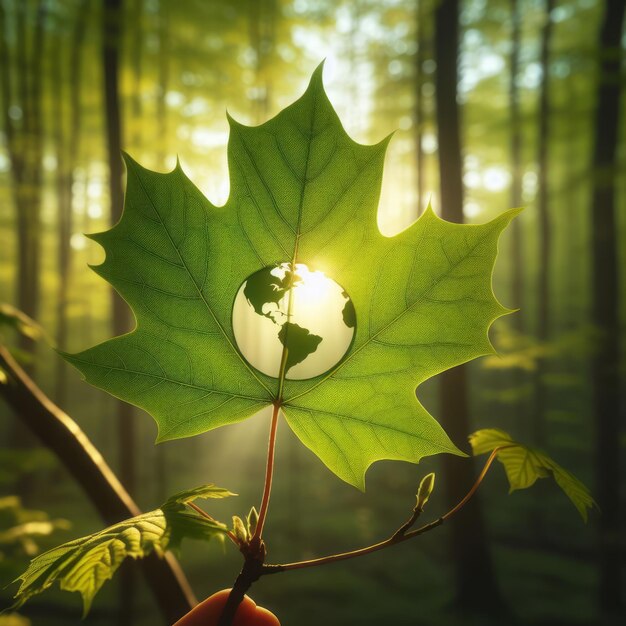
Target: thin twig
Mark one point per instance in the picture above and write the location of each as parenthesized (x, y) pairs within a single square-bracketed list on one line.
[(475, 486), (204, 514), (391, 541), (402, 534)]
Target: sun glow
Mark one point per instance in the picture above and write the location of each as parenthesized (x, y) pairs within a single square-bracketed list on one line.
[(312, 287)]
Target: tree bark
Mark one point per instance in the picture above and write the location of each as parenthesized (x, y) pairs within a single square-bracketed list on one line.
[(67, 157), (164, 79), (420, 57), (136, 54), (62, 435), (608, 406), (544, 234), (262, 25), (111, 44), (64, 210), (121, 312), (33, 124), (572, 214), (24, 145), (476, 588), (517, 249), (161, 457), (20, 80)]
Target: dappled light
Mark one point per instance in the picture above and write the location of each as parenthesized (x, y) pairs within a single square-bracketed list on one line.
[(356, 357)]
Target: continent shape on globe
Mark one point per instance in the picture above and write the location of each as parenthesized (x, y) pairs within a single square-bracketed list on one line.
[(302, 311)]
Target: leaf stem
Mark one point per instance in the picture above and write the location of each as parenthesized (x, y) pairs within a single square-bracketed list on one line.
[(269, 472), (402, 534), (204, 514), (254, 549), (476, 485)]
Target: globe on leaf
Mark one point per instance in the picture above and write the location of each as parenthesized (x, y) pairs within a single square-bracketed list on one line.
[(301, 310)]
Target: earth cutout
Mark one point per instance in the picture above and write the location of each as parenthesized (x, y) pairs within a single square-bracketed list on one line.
[(317, 331)]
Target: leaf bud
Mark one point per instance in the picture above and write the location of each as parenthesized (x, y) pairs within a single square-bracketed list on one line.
[(425, 489), (253, 520), (240, 530)]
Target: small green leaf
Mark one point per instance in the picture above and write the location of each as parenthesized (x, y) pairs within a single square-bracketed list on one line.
[(252, 520), (425, 490), (187, 525), (239, 529), (524, 465), (85, 564), (203, 492)]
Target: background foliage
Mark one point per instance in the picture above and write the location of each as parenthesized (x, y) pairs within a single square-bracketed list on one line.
[(181, 65)]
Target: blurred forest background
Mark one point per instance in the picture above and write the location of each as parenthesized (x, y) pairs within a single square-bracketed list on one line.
[(530, 118)]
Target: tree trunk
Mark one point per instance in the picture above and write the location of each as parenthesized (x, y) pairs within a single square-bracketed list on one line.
[(161, 457), (62, 435), (30, 285), (164, 79), (111, 34), (136, 54), (517, 377), (67, 157), (606, 360), (419, 105), (121, 312), (20, 80), (544, 231), (476, 588), (574, 261), (517, 254), (64, 211), (24, 146), (262, 24), (355, 10)]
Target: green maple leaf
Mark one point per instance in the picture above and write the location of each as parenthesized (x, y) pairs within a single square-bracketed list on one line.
[(85, 564), (525, 465), (302, 191)]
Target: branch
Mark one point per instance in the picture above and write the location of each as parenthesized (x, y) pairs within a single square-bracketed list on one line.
[(62, 435), (402, 534), (251, 572)]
